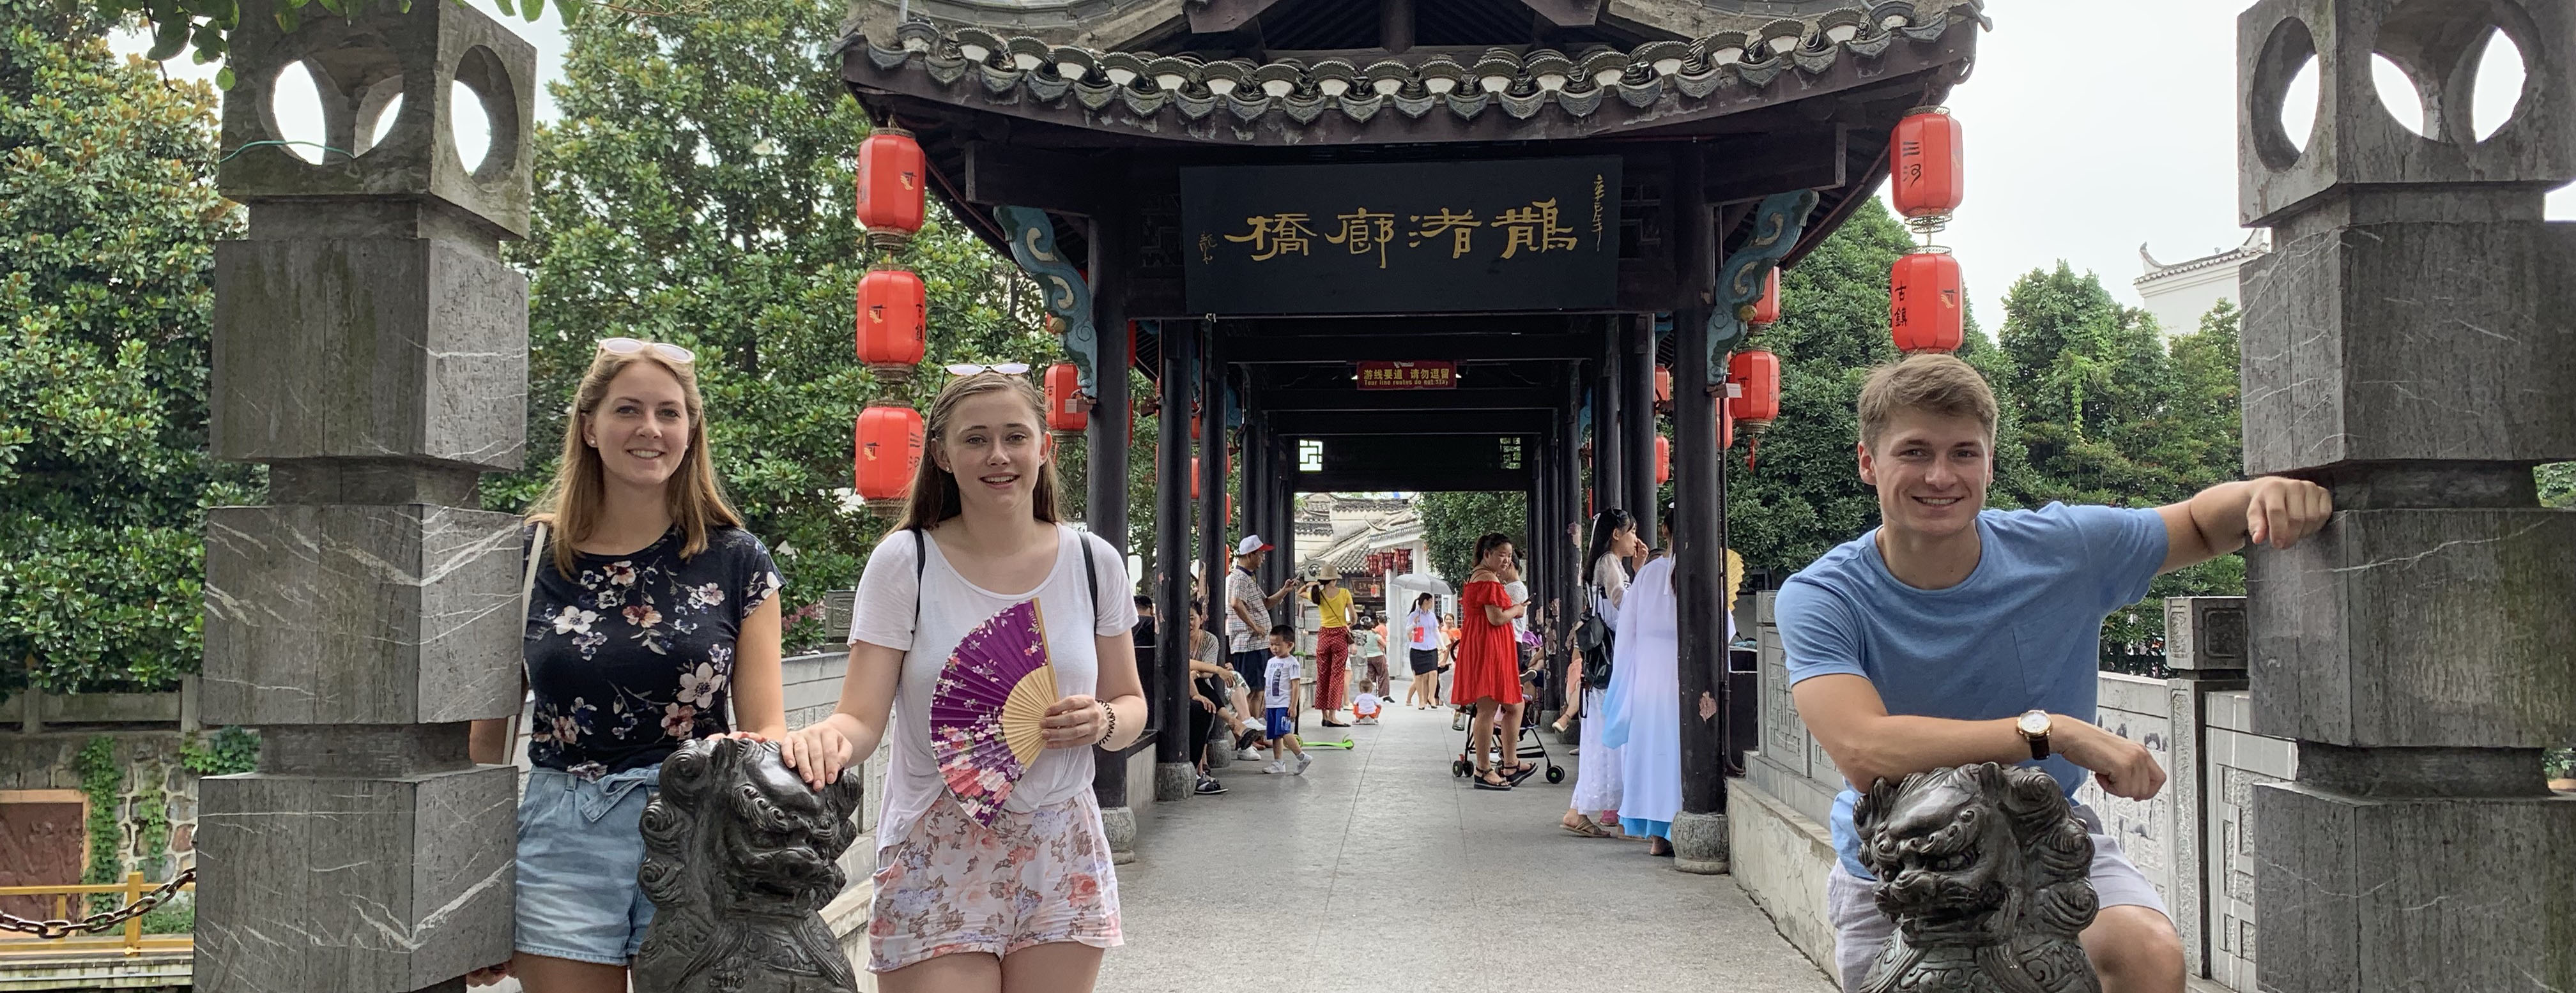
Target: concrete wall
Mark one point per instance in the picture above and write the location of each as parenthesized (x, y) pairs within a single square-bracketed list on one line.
[(2194, 841)]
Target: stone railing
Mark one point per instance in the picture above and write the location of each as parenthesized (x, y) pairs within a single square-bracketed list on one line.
[(2194, 841)]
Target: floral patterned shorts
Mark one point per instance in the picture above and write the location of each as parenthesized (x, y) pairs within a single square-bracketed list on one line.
[(953, 885)]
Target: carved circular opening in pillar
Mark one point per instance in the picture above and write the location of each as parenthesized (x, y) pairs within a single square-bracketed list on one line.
[(2400, 95), (480, 74), (295, 113), (2496, 89), (2277, 108), (2446, 52), (378, 109)]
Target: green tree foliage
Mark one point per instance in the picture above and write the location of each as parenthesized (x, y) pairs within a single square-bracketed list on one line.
[(107, 231), (699, 189), (1802, 494), (204, 27), (1451, 523), (2114, 414), (2557, 484)]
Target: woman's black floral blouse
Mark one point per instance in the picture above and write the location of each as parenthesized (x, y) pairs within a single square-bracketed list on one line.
[(633, 654)]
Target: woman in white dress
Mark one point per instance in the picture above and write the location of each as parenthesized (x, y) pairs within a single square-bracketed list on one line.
[(1605, 581), (1641, 712)]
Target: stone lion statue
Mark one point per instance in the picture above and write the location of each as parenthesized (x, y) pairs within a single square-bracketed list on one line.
[(739, 860), (1984, 869)]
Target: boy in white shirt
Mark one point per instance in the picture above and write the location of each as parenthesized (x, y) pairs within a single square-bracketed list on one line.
[(1279, 690), (1364, 707)]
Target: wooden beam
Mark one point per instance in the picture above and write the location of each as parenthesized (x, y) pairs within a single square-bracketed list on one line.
[(1506, 398), (1742, 171), (1566, 13), (1309, 424), (1366, 481), (1026, 177), (1403, 345), (1221, 16)]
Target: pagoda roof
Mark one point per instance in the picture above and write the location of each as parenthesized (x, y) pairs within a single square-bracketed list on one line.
[(1738, 61)]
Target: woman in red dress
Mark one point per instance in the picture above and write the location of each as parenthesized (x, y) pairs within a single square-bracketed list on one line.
[(1488, 673)]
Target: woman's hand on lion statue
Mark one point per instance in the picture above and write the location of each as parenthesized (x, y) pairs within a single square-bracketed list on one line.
[(1077, 721), (816, 752)]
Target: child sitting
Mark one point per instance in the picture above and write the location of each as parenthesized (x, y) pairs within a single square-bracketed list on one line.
[(1279, 688), (1364, 707)]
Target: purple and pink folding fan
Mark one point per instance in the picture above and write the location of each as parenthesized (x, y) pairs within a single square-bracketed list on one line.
[(987, 710)]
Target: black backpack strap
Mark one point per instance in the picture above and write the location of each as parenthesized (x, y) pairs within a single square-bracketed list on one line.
[(1090, 580), (920, 562)]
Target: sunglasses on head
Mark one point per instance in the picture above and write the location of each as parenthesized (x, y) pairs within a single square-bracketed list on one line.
[(1005, 368), (629, 346)]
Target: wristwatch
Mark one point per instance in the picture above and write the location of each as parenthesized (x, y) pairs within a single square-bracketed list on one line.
[(2034, 729)]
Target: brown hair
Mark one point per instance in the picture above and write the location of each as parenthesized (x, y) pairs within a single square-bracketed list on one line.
[(934, 490), (571, 504), (1930, 382)]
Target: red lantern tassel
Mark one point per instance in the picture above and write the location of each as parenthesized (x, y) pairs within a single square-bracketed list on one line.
[(1752, 451)]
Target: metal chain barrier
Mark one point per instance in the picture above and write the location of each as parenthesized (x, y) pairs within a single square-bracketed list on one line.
[(95, 923)]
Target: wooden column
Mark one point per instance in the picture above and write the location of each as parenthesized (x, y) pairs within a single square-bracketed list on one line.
[(1105, 503), (1215, 547), (1170, 692), (1104, 506), (1607, 488), (1699, 561), (1637, 423)]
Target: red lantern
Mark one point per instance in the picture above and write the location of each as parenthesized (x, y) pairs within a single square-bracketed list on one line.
[(894, 311), (890, 187), (1924, 308), (1663, 384), (889, 452), (1725, 425), (1925, 163), (1765, 312), (1194, 478), (1663, 460), (1066, 415), (1757, 373)]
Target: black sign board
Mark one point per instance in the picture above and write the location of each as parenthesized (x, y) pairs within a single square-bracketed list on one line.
[(1416, 237)]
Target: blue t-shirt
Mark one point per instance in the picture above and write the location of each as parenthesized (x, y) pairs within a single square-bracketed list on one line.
[(2022, 632)]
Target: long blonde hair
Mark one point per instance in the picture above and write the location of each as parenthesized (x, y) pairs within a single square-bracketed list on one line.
[(934, 490), (572, 504)]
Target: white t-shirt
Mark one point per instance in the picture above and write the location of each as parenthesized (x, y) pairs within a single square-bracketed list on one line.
[(1279, 681), (1422, 629), (951, 607), (1519, 592), (1365, 705)]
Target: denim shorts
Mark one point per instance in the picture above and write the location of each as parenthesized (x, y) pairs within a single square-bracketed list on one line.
[(580, 844)]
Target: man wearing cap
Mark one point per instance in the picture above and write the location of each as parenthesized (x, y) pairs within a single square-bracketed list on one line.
[(1248, 611)]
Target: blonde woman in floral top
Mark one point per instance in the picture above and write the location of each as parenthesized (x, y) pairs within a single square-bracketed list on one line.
[(652, 611)]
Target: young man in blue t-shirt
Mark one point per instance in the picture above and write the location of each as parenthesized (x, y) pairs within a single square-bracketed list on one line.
[(1953, 634)]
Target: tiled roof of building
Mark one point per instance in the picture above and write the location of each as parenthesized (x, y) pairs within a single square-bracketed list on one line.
[(1755, 55)]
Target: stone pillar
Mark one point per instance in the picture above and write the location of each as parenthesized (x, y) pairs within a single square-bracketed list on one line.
[(371, 348), (1699, 559), (2408, 342), (1175, 781)]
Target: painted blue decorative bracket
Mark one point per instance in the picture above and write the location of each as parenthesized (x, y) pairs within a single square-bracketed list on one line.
[(1777, 223), (1583, 420), (1066, 294)]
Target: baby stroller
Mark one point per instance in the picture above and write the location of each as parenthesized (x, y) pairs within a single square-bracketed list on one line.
[(1529, 744)]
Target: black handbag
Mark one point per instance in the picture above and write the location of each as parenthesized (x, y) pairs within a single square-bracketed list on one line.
[(1593, 638)]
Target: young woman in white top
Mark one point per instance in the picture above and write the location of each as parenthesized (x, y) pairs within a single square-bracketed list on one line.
[(1596, 778), (1425, 652), (947, 916)]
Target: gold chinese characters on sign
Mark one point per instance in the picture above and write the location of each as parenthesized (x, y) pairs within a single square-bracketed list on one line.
[(1528, 229)]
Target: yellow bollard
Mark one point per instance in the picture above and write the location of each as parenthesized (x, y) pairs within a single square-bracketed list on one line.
[(134, 924)]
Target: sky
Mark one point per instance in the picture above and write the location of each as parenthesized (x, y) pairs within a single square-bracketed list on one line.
[(2091, 129)]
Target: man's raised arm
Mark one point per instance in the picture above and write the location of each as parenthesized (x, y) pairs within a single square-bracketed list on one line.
[(1868, 744), (2269, 510)]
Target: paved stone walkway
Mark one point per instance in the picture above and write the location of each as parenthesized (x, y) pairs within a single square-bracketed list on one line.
[(1378, 870)]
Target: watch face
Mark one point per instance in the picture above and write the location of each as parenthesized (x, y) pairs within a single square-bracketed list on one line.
[(2034, 723)]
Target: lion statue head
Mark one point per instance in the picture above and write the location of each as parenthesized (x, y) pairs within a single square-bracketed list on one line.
[(1982, 867), (739, 859)]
